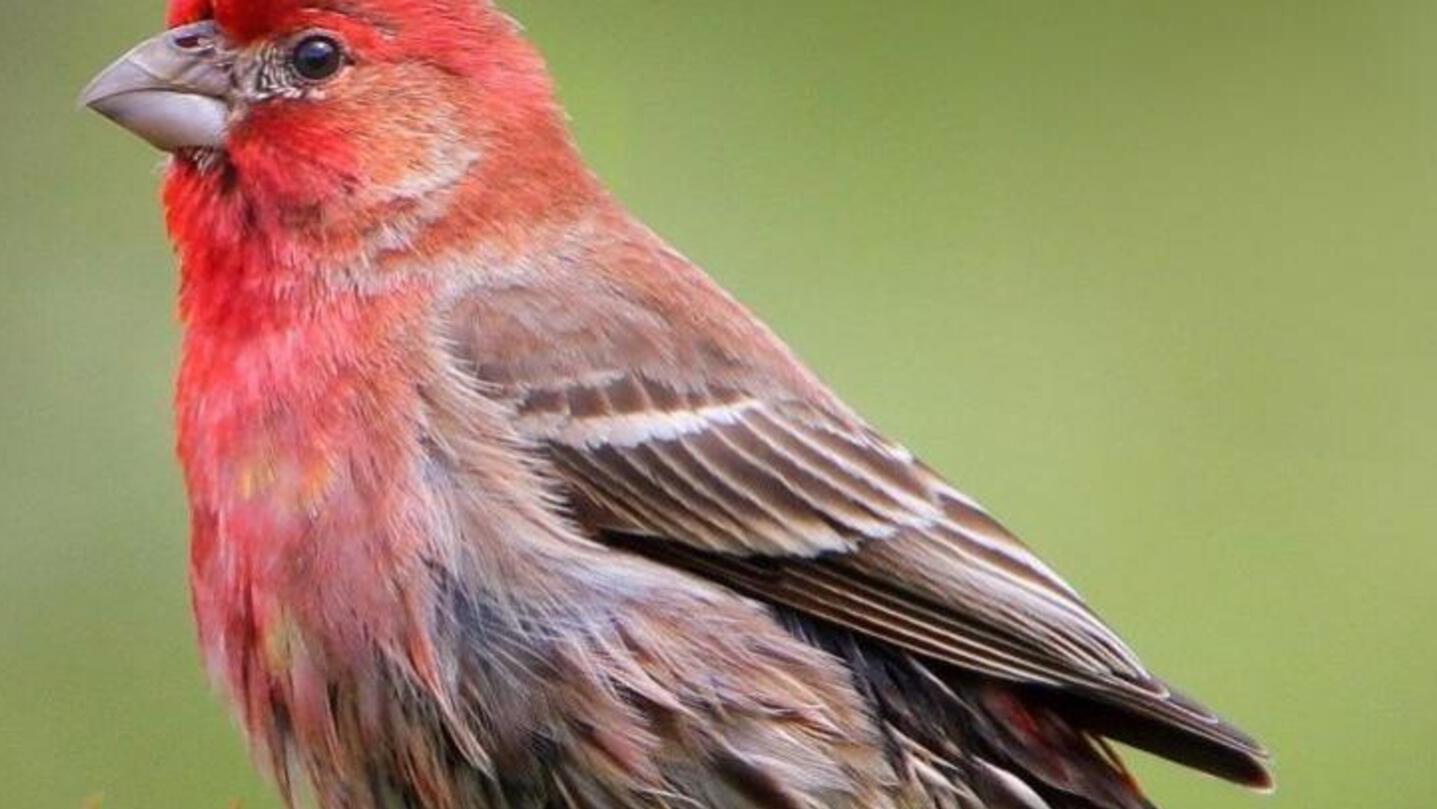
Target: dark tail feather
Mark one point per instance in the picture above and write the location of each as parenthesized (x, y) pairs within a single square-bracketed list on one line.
[(1225, 752), (978, 742)]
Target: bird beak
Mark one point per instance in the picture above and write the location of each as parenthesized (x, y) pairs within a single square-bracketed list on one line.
[(171, 90)]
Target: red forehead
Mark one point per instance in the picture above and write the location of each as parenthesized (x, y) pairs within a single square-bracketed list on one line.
[(241, 19), (250, 19), (418, 19)]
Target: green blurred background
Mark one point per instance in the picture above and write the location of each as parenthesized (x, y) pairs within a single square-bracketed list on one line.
[(1154, 280)]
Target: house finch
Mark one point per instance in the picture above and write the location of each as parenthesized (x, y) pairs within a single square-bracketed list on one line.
[(498, 501)]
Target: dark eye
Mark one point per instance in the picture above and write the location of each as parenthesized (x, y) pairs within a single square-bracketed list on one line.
[(317, 58)]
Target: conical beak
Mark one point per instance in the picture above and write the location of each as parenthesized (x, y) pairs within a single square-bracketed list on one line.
[(171, 90)]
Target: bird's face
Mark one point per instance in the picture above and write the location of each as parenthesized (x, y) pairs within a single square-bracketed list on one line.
[(316, 102)]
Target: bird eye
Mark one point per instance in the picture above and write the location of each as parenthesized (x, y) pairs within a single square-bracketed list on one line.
[(317, 58)]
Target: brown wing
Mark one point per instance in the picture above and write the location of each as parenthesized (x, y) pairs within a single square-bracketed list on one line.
[(685, 430), (814, 511)]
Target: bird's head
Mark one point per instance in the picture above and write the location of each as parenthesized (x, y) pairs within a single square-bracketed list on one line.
[(346, 120)]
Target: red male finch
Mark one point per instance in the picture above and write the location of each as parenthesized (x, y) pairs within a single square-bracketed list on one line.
[(498, 501)]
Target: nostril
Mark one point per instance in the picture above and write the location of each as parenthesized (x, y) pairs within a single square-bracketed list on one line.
[(190, 42)]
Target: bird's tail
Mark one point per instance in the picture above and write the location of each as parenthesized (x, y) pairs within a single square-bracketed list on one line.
[(975, 743)]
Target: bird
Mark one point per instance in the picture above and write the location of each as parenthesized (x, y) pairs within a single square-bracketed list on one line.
[(498, 500)]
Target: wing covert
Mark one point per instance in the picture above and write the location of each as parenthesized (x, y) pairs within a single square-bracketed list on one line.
[(682, 429), (730, 474)]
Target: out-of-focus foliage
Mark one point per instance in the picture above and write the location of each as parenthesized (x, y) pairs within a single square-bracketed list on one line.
[(1154, 280)]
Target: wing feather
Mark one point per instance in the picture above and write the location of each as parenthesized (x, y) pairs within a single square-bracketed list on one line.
[(727, 473), (684, 430), (808, 508)]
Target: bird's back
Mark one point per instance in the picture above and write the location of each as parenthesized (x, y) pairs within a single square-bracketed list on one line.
[(681, 429)]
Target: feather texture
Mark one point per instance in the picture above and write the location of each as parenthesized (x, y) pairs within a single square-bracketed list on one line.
[(741, 467), (499, 501)]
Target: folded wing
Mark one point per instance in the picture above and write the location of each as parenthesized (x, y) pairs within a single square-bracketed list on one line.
[(684, 430), (814, 511)]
